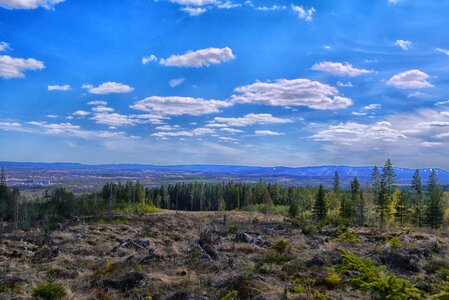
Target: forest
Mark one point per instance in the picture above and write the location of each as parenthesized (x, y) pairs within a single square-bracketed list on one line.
[(381, 202)]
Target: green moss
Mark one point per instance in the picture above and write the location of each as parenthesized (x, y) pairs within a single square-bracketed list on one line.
[(395, 242), (49, 291), (332, 279)]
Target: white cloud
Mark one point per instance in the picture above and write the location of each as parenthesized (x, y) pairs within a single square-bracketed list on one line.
[(227, 139), (52, 116), (338, 68), (109, 88), (271, 8), (176, 82), (194, 11), (166, 134), (405, 45), (231, 130), (68, 129), (295, 92), (412, 79), (28, 4), (203, 131), (372, 106), (442, 103), (65, 87), (102, 109), (113, 119), (392, 1), (199, 58), (7, 126), (149, 59), (304, 14), (342, 84), (251, 119), (167, 127), (216, 125), (4, 46), (194, 2), (98, 102), (358, 113), (267, 132), (180, 105), (444, 51), (415, 94), (81, 113), (11, 67)]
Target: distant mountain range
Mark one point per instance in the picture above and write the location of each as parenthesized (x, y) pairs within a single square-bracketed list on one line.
[(311, 175)]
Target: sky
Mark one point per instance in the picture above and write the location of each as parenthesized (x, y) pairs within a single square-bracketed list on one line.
[(267, 83)]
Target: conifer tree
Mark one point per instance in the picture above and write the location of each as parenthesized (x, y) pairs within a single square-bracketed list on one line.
[(293, 210), (402, 208), (389, 176), (382, 201), (320, 208), (375, 179), (418, 199), (336, 183), (435, 208)]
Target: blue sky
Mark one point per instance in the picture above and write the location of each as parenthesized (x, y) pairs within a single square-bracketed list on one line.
[(218, 82)]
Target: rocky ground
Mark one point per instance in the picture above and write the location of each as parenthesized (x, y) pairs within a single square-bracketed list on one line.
[(200, 256)]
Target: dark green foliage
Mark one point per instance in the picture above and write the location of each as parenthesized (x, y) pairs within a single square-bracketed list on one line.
[(389, 177), (418, 202), (435, 207), (282, 246), (293, 210), (320, 208), (364, 275), (382, 201), (402, 208), (336, 183), (49, 291)]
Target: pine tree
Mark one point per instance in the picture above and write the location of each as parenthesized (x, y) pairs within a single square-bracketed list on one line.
[(293, 210), (435, 208), (336, 183), (355, 198), (382, 202), (375, 179), (320, 208), (418, 199), (389, 176), (401, 208)]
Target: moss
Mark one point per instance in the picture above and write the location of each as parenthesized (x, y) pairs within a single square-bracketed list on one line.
[(320, 295), (49, 291)]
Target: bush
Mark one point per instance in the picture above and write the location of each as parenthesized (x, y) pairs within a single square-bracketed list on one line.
[(333, 279), (140, 208), (349, 237), (364, 275), (277, 259), (49, 291), (395, 242), (231, 295), (282, 246)]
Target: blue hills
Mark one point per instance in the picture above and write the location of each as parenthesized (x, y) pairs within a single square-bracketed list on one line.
[(309, 175)]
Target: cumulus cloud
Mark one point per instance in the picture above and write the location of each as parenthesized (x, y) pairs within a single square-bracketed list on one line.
[(194, 11), (199, 58), (271, 8), (180, 105), (168, 127), (251, 119), (305, 14), (98, 102), (405, 45), (194, 2), (444, 51), (29, 4), (109, 88), (10, 126), (65, 87), (11, 67), (113, 119), (81, 113), (102, 109), (267, 132), (227, 139), (230, 130), (338, 68), (399, 133), (176, 82), (149, 59), (295, 92), (412, 79), (68, 129), (342, 84), (372, 106), (165, 134), (4, 46)]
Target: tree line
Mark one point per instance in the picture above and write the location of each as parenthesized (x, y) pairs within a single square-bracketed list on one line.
[(380, 202)]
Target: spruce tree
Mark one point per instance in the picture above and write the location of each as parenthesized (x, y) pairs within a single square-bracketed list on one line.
[(293, 210), (418, 199), (435, 208), (320, 208), (375, 179), (382, 202), (389, 176), (336, 183), (402, 208)]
